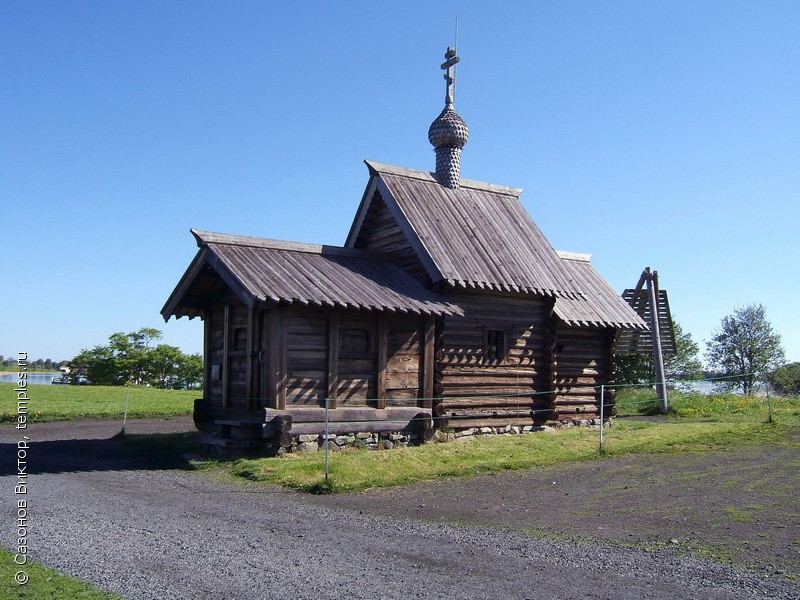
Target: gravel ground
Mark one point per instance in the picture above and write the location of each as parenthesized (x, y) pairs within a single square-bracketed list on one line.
[(111, 517), (741, 504)]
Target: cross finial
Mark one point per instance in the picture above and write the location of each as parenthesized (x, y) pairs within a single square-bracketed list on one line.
[(449, 75)]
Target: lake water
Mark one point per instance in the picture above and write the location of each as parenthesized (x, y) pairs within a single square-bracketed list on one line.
[(32, 377), (702, 386)]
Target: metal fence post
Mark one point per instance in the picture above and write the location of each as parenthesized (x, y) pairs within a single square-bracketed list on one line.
[(602, 413), (125, 410), (769, 404), (327, 440)]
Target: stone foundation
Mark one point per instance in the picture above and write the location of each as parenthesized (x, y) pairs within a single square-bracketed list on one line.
[(387, 441), (367, 441)]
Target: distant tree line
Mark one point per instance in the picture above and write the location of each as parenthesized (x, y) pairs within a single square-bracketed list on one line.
[(39, 364), (135, 358), (786, 379)]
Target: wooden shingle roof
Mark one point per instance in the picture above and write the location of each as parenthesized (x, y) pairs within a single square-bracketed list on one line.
[(642, 342), (259, 269), (478, 236), (602, 306)]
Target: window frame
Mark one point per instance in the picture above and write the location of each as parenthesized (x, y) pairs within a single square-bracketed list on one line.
[(501, 346), (370, 339)]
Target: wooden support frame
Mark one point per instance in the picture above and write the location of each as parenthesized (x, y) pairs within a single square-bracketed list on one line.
[(268, 370), (226, 346), (333, 359), (261, 360), (655, 332), (252, 357), (550, 368), (382, 349), (429, 361), (277, 358), (206, 354)]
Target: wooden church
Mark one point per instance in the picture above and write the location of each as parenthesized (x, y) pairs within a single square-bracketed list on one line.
[(445, 308)]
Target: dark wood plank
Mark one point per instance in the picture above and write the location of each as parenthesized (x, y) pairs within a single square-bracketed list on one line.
[(252, 315), (333, 359), (207, 353), (429, 358), (382, 348), (226, 336)]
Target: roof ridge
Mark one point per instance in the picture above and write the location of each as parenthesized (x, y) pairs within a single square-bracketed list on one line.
[(566, 255), (204, 238), (378, 167)]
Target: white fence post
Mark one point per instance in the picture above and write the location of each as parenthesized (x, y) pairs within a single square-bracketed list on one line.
[(125, 410)]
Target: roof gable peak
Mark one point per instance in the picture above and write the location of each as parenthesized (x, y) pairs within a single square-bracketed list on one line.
[(377, 168)]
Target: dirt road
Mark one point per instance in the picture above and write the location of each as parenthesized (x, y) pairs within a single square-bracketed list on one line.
[(135, 521)]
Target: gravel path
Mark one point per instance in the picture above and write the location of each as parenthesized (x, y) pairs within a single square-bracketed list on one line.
[(174, 534)]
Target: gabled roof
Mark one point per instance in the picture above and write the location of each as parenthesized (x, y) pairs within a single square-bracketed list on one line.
[(259, 269), (602, 306), (477, 236)]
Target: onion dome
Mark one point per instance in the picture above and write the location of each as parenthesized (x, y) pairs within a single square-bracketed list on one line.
[(448, 129), (448, 133)]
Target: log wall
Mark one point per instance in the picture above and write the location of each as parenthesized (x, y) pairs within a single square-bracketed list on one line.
[(584, 361), (306, 356), (227, 354), (404, 361), (357, 365), (505, 390), (355, 358), (300, 355)]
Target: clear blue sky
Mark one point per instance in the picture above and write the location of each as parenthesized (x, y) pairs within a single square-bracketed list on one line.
[(661, 134)]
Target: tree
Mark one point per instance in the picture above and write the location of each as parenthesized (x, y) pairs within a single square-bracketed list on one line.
[(684, 364), (99, 365), (130, 358), (190, 372), (165, 363), (745, 348), (786, 379), (132, 352)]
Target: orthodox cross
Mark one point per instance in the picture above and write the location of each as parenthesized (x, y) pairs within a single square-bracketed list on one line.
[(448, 65)]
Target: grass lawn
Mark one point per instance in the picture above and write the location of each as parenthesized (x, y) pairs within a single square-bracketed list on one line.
[(63, 402), (43, 583), (696, 423)]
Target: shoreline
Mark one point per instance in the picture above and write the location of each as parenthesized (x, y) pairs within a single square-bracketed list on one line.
[(32, 372)]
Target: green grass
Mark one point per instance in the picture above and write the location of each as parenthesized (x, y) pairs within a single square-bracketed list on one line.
[(44, 583), (741, 515), (682, 405), (63, 402), (712, 423)]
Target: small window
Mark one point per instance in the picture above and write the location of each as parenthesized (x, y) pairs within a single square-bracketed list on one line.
[(355, 341), (240, 338), (495, 344)]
